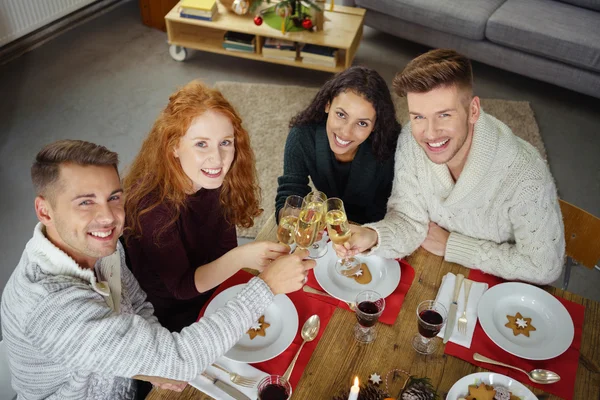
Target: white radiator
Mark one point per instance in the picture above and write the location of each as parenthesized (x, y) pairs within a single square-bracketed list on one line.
[(20, 17)]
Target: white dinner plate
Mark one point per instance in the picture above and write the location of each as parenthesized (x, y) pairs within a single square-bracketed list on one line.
[(385, 273), (461, 387), (282, 316), (554, 326)]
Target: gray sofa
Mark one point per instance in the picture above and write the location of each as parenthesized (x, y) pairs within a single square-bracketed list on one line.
[(550, 40)]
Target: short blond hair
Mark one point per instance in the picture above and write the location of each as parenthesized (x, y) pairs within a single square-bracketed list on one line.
[(435, 69), (45, 171)]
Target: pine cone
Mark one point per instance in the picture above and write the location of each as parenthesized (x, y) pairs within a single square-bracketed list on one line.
[(418, 391)]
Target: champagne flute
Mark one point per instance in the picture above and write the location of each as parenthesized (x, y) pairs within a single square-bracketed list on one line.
[(309, 221), (339, 233), (318, 199), (288, 219)]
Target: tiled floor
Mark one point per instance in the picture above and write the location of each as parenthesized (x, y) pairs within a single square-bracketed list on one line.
[(106, 81)]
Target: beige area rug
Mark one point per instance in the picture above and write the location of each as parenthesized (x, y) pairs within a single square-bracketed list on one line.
[(267, 109)]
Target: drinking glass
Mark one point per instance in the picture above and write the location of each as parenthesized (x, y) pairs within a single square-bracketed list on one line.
[(369, 306), (431, 316), (319, 247), (274, 387), (288, 219), (309, 221), (339, 233)]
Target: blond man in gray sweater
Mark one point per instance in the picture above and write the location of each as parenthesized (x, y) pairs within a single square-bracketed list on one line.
[(465, 187), (74, 319)]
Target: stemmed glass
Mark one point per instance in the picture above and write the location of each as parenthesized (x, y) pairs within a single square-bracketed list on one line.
[(318, 199), (369, 306), (309, 221), (431, 316), (339, 233), (288, 219)]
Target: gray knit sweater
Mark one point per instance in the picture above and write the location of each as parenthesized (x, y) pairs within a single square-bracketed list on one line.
[(72, 336)]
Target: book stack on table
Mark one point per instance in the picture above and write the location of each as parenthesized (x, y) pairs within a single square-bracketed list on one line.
[(236, 41), (279, 49), (319, 55), (204, 10)]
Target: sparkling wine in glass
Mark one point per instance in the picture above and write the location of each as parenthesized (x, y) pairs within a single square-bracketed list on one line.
[(431, 317), (288, 219), (309, 221), (338, 229), (369, 306), (317, 199)]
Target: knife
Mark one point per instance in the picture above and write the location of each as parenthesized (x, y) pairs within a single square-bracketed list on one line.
[(230, 390), (453, 308)]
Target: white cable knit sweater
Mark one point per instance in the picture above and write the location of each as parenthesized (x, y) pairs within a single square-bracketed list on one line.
[(502, 214), (68, 338)]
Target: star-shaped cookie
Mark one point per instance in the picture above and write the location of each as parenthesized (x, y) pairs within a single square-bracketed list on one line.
[(375, 379), (259, 328), (481, 392), (519, 324)]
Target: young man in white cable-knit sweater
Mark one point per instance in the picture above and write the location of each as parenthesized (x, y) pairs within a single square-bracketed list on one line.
[(465, 187), (74, 319)]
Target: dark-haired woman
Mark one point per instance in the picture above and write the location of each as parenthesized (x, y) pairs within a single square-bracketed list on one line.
[(345, 142)]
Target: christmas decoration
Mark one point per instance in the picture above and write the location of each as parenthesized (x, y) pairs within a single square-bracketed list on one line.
[(258, 20), (240, 7), (418, 389), (375, 379), (367, 392), (502, 393), (290, 15), (307, 23)]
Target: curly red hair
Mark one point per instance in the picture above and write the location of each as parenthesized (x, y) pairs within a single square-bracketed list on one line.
[(157, 171)]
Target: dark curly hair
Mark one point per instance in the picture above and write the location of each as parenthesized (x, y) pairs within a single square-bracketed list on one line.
[(367, 83)]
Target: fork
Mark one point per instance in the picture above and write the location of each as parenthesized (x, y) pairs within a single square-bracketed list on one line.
[(462, 321), (308, 289), (237, 379)]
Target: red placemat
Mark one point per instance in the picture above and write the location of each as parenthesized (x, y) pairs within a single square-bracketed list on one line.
[(564, 365), (306, 306), (393, 303)]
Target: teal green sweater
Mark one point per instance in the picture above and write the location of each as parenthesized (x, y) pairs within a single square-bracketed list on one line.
[(368, 182)]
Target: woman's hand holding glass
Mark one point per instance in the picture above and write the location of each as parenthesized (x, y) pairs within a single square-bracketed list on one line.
[(258, 255)]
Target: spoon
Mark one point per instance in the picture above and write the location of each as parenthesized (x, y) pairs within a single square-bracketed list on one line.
[(310, 330), (541, 376)]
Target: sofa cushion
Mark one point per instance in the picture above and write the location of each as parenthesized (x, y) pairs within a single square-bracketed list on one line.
[(550, 29), (591, 4), (465, 18)]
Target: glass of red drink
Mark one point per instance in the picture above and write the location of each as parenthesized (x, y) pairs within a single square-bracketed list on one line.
[(274, 387), (431, 317), (369, 306)]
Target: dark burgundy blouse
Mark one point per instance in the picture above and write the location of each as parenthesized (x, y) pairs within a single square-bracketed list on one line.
[(165, 266)]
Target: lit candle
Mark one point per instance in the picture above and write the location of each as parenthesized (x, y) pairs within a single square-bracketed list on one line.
[(354, 390)]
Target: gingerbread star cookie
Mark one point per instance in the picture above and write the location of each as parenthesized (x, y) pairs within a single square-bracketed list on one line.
[(519, 325), (259, 328), (362, 276), (481, 392)]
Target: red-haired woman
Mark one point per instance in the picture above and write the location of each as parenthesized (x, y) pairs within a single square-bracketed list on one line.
[(192, 182)]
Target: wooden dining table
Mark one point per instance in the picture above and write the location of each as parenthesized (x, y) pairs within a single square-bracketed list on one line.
[(339, 357)]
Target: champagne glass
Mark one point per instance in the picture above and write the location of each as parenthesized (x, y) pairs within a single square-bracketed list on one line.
[(309, 221), (431, 316), (288, 219), (339, 233), (369, 307), (319, 247)]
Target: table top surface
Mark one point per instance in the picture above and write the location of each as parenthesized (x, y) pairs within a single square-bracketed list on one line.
[(340, 28), (338, 357)]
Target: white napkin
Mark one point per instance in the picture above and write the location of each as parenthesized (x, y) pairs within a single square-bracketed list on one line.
[(204, 385), (444, 296)]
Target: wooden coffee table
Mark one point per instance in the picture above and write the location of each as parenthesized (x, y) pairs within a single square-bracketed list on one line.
[(343, 31)]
